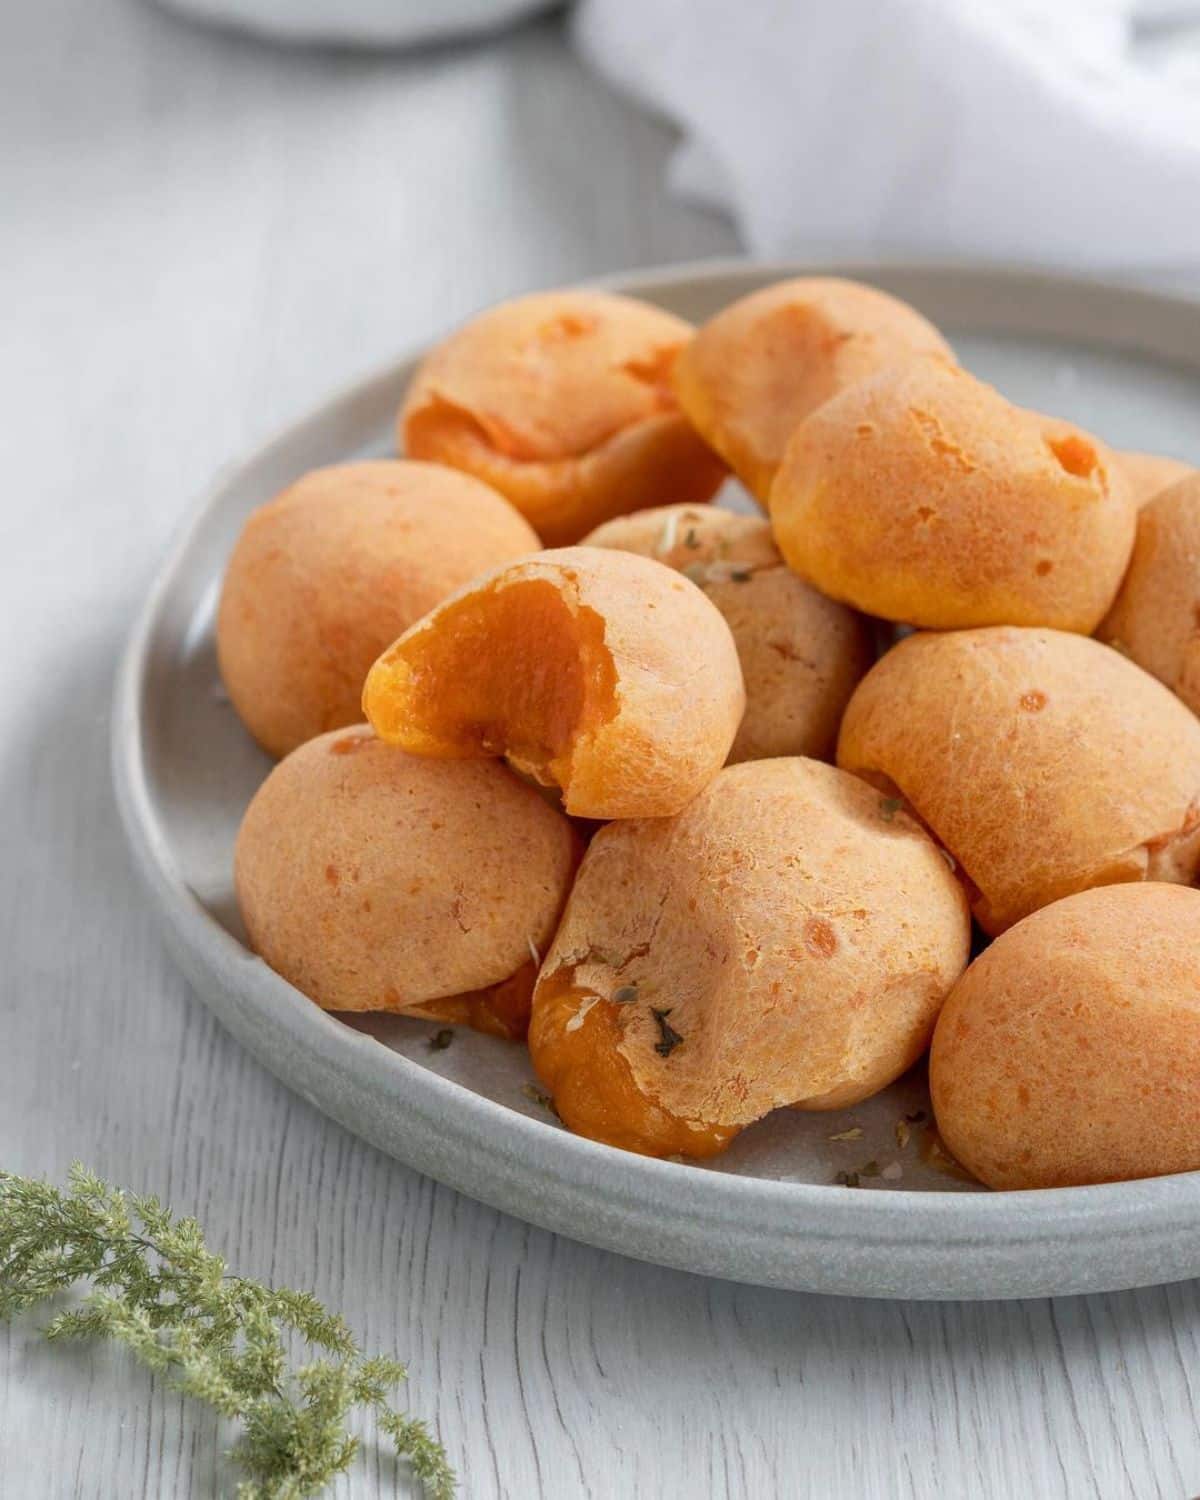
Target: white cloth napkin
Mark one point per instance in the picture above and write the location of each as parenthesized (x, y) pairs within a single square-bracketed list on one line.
[(1064, 131)]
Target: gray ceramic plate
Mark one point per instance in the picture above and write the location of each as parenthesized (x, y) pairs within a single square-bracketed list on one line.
[(1123, 362)]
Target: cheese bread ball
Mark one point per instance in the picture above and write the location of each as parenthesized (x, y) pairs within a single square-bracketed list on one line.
[(922, 496), (757, 369), (1043, 761), (1155, 619), (563, 402), (788, 939), (333, 570), (373, 880), (801, 653), (1069, 1052), (1149, 474), (607, 675)]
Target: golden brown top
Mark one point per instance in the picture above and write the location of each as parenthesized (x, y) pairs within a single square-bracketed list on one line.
[(761, 365)]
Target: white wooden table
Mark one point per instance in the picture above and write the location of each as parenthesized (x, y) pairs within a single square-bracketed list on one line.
[(199, 237)]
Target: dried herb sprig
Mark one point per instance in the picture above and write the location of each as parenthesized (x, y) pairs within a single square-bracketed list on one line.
[(669, 1038), (159, 1291)]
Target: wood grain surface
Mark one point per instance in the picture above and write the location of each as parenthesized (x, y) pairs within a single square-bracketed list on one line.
[(200, 236)]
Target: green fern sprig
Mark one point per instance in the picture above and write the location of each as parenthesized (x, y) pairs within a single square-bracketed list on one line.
[(160, 1292)]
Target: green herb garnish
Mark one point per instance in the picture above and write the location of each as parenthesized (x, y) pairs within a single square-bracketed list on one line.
[(669, 1038), (889, 807), (160, 1292), (625, 994), (440, 1040), (854, 1179), (539, 1096)]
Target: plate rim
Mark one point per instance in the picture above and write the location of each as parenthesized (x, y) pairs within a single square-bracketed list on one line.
[(1005, 1225)]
